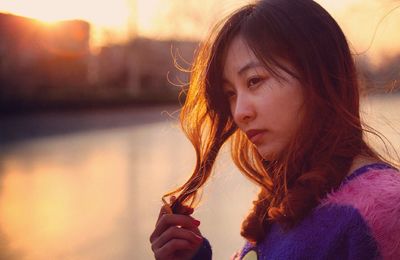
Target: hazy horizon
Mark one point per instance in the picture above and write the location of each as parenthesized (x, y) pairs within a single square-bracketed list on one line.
[(370, 25)]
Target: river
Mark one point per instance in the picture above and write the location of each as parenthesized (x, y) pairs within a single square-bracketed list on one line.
[(88, 185)]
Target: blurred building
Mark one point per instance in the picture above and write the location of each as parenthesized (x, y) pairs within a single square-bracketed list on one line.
[(44, 64), (146, 67), (39, 59)]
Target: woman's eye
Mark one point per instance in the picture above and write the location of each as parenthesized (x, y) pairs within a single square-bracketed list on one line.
[(253, 81)]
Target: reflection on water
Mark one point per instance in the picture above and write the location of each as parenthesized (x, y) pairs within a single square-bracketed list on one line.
[(95, 194)]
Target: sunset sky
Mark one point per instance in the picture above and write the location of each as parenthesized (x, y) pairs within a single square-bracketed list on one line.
[(118, 20)]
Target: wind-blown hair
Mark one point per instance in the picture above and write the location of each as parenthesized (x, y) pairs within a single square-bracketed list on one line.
[(319, 157)]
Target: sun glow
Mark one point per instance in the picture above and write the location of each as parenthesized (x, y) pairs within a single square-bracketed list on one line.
[(115, 21), (109, 20), (107, 13)]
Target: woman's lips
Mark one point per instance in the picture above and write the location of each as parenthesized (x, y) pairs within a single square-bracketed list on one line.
[(255, 135)]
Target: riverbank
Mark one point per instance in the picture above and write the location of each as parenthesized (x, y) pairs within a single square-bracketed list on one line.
[(46, 122)]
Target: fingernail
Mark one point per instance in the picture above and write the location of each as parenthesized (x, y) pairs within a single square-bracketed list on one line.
[(196, 222)]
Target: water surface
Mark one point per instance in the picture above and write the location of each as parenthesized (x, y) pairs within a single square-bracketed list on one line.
[(88, 185)]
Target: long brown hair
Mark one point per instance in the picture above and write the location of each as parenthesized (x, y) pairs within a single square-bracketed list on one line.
[(320, 155)]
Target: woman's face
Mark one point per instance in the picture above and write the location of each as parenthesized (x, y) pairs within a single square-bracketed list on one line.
[(268, 109)]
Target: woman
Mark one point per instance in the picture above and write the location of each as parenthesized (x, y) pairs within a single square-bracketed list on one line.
[(277, 79)]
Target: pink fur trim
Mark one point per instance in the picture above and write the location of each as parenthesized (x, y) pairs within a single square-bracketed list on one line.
[(376, 195)]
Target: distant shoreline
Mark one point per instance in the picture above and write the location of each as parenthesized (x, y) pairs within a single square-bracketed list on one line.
[(10, 108), (41, 123), (20, 107)]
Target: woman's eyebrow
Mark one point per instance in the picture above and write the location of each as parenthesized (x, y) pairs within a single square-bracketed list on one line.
[(250, 65)]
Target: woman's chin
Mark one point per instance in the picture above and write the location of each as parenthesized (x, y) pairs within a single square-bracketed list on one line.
[(268, 155)]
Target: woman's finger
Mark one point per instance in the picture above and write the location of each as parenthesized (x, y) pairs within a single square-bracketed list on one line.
[(181, 209), (165, 209), (176, 233), (169, 250), (168, 220), (186, 210), (195, 230)]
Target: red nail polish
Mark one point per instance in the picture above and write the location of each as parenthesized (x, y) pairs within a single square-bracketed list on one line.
[(196, 222)]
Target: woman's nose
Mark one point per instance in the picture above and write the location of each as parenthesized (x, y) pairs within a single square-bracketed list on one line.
[(244, 110)]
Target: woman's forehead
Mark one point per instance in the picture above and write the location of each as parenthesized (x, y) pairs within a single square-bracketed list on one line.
[(239, 56)]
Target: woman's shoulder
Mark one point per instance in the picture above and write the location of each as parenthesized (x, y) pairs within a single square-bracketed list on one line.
[(375, 194), (376, 186), (355, 212)]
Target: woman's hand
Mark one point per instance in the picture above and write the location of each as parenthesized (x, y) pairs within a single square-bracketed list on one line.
[(176, 236)]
